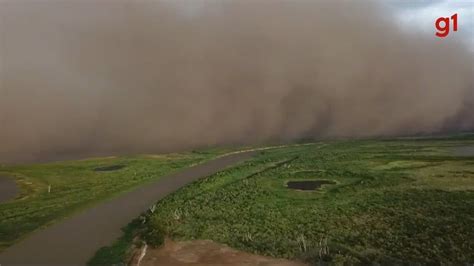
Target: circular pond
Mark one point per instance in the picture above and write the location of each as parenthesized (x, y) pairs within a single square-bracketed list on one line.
[(308, 184)]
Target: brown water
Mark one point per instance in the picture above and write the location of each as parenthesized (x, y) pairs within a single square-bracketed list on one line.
[(464, 151), (74, 240), (8, 189)]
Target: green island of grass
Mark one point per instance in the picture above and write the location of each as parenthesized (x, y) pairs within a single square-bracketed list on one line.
[(393, 201), (405, 200)]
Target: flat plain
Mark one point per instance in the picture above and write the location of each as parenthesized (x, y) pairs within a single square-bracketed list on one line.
[(50, 192), (390, 201), (405, 200)]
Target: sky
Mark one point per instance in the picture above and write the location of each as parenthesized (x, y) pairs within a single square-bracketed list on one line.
[(422, 14), (411, 15)]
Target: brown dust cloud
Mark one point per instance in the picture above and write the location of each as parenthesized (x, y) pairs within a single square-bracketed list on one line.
[(82, 77)]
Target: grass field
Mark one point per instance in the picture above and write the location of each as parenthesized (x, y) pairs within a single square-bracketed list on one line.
[(75, 185), (405, 200)]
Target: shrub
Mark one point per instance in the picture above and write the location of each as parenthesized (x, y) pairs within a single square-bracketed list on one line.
[(154, 234)]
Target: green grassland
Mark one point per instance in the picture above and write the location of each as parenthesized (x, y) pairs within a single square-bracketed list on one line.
[(394, 201), (75, 185), (403, 200)]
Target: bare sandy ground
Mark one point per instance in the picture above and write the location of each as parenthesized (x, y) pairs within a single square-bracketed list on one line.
[(205, 253), (74, 240)]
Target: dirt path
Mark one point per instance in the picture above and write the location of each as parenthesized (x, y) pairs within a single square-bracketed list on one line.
[(75, 240), (206, 252), (8, 189)]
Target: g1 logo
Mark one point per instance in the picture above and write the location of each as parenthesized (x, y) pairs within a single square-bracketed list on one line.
[(442, 25)]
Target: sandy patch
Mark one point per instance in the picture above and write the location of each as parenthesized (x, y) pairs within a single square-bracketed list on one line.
[(206, 252)]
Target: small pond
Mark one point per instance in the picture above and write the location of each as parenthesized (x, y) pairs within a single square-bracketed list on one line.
[(308, 184), (109, 168)]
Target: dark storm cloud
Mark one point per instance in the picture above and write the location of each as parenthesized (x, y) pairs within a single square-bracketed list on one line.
[(92, 77)]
